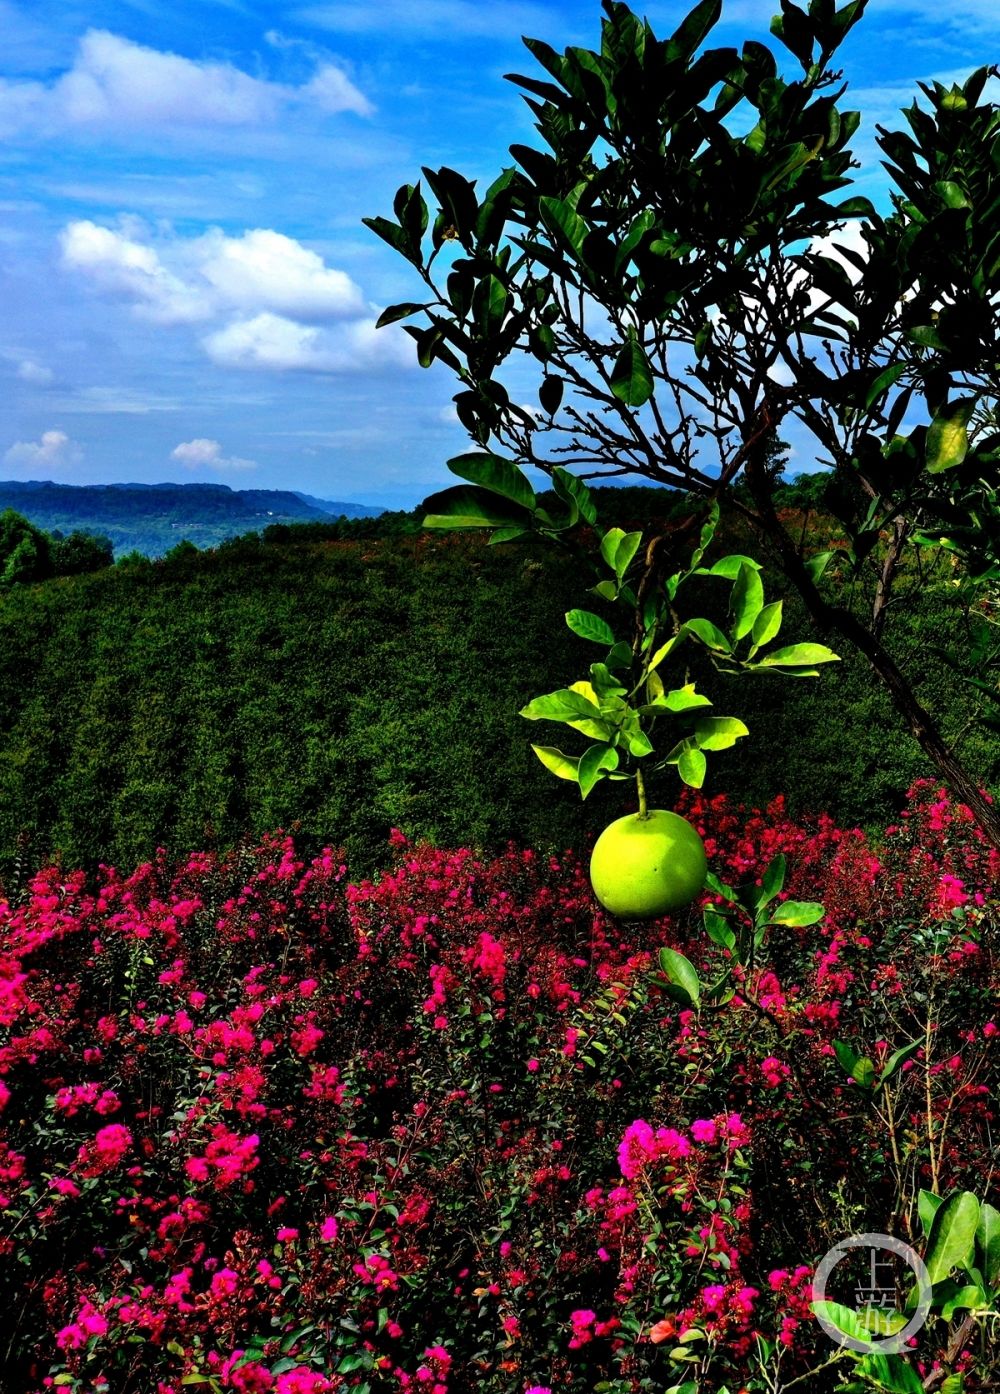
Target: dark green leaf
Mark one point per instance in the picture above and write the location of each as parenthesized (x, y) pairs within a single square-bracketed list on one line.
[(632, 378), (718, 930), (897, 1058), (571, 489), (681, 972), (773, 879), (497, 475), (467, 507), (594, 761), (928, 1205), (884, 381), (550, 394), (562, 219), (397, 312)]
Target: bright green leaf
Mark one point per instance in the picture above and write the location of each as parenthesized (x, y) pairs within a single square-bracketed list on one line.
[(799, 656), (593, 762), (563, 705), (562, 766), (681, 972), (626, 550), (610, 543), (897, 1058), (842, 1318), (988, 1242), (798, 913), (681, 699), (928, 1204), (767, 624), (691, 766), (709, 635), (953, 1235), (747, 601), (590, 626), (719, 732), (729, 567), (948, 437), (847, 1058), (890, 1372)]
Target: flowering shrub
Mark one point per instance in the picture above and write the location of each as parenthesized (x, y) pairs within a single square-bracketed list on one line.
[(265, 1130)]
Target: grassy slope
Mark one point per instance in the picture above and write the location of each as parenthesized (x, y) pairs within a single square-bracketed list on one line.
[(348, 686)]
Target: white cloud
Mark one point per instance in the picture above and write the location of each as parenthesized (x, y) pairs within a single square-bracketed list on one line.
[(283, 345), (54, 449), (267, 302), (34, 373), (116, 85), (188, 280), (332, 91), (268, 270), (201, 453), (119, 265)]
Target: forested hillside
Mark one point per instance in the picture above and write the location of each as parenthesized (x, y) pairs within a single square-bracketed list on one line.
[(350, 685), (153, 518)]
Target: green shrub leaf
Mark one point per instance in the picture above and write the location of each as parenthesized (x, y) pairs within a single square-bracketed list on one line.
[(681, 973), (953, 1235), (798, 913)]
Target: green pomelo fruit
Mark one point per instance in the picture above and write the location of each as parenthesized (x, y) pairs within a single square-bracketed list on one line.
[(644, 867)]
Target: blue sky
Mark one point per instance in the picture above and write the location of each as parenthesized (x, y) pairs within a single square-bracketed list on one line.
[(188, 292)]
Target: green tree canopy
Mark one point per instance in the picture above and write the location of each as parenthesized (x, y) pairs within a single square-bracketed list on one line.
[(669, 263)]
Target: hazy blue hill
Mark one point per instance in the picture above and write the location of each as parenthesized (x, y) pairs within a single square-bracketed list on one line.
[(340, 510), (153, 518)]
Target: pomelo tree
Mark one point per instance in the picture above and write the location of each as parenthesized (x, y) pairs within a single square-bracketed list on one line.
[(669, 275)]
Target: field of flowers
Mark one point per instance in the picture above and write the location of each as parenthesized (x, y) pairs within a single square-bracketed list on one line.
[(264, 1129)]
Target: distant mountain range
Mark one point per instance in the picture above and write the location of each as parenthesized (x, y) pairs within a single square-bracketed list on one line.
[(152, 518)]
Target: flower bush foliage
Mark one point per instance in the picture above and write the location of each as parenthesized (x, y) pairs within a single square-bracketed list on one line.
[(264, 1130)]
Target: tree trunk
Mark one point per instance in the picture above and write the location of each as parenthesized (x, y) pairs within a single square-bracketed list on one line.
[(832, 617)]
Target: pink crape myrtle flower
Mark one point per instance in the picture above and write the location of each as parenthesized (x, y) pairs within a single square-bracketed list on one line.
[(641, 1146), (106, 1151)]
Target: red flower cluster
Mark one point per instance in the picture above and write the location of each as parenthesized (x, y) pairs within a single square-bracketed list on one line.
[(442, 1132)]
